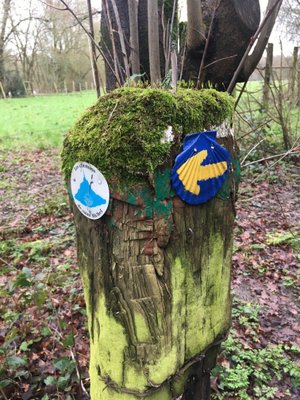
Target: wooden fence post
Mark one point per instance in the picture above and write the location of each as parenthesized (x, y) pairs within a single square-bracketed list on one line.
[(298, 85), (2, 90), (294, 71), (156, 270)]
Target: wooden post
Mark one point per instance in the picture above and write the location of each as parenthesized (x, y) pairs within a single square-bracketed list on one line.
[(79, 86), (2, 90), (298, 85), (73, 86), (155, 270), (267, 77), (65, 87), (294, 71)]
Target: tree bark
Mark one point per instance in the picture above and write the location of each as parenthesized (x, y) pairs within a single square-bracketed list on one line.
[(153, 41), (134, 36), (196, 28), (233, 25), (253, 59), (110, 41)]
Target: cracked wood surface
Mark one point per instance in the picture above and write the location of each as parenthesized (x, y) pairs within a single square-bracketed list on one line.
[(163, 281)]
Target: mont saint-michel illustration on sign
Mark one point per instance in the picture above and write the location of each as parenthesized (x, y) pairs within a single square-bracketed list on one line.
[(89, 190)]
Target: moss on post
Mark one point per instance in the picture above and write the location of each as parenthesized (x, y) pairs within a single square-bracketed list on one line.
[(156, 271), (121, 134)]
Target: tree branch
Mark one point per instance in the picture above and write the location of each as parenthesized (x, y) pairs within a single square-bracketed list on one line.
[(248, 63), (88, 33), (271, 15)]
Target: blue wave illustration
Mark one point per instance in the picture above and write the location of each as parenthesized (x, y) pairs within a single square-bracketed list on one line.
[(87, 196)]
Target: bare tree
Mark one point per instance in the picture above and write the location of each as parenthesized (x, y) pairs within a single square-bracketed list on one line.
[(3, 38), (289, 18)]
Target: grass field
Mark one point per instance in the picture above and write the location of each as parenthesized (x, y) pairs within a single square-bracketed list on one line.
[(40, 122)]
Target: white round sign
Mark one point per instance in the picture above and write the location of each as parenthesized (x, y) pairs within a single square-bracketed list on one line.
[(89, 190)]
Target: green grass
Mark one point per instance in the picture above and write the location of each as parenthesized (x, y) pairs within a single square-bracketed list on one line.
[(40, 122)]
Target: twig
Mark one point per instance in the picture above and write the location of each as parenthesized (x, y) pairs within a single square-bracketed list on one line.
[(3, 394), (282, 155), (4, 262), (112, 113), (121, 38), (240, 95), (255, 129), (113, 43), (207, 39), (52, 6), (89, 35), (75, 359), (251, 150), (219, 60)]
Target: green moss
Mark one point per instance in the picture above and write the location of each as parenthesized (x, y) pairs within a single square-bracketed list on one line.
[(121, 134)]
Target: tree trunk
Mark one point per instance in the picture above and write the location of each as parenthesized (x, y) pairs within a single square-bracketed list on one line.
[(153, 40), (6, 9), (252, 60), (125, 18), (110, 41), (234, 24), (93, 50), (196, 28), (134, 36)]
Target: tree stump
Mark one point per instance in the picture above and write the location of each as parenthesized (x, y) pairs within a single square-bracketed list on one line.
[(156, 276)]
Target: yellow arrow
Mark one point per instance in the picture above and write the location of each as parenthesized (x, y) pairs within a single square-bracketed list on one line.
[(192, 171)]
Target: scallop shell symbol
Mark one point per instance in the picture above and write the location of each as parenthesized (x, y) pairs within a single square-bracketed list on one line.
[(201, 169)]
